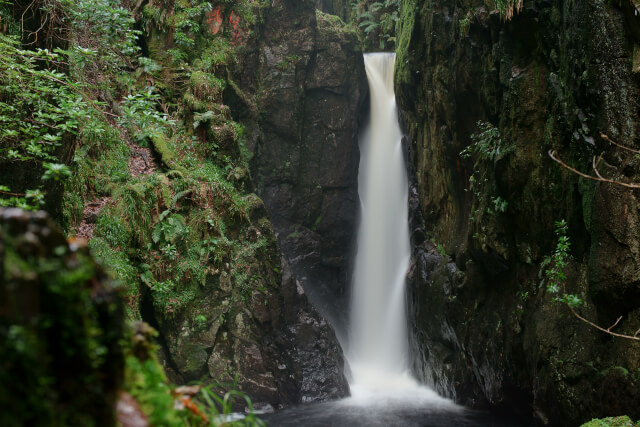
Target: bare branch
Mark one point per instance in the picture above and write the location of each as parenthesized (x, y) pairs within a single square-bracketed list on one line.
[(606, 138), (595, 166), (615, 324), (12, 194), (553, 155), (634, 337)]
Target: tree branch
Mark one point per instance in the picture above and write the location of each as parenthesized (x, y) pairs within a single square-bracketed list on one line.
[(554, 157), (12, 194), (608, 331), (606, 138)]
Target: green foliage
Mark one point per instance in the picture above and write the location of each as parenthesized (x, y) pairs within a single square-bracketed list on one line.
[(186, 21), (220, 408), (146, 381), (47, 100), (8, 25), (104, 39), (118, 264), (170, 230), (176, 231), (55, 171), (139, 114), (499, 204), (621, 421), (508, 8), (39, 108), (487, 145), (463, 25), (486, 149), (59, 319), (377, 20), (555, 266)]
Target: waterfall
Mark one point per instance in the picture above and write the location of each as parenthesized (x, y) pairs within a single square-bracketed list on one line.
[(378, 349), (383, 392)]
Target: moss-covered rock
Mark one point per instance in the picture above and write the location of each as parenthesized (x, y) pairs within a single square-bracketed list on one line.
[(61, 322), (622, 421), (553, 77), (212, 276)]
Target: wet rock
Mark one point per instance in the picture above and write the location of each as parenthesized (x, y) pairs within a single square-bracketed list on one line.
[(308, 71), (315, 353), (485, 330)]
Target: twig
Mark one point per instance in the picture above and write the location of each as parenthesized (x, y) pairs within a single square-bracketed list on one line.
[(615, 324), (606, 138), (634, 337), (13, 194), (595, 166), (553, 155)]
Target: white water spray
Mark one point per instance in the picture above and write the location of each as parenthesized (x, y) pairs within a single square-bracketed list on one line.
[(378, 349)]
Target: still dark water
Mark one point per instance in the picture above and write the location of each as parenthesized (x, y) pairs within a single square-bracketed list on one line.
[(349, 413)]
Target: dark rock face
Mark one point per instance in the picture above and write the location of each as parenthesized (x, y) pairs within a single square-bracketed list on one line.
[(486, 330), (294, 91), (268, 337), (311, 343), (306, 73), (61, 323)]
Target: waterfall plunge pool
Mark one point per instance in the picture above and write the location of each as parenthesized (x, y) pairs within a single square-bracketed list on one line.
[(384, 410)]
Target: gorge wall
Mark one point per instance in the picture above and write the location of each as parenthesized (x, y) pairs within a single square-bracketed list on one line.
[(296, 84), (485, 329), (305, 74)]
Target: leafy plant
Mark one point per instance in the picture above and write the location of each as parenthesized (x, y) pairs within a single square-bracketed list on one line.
[(557, 262), (487, 148), (465, 23), (139, 113), (39, 108), (499, 204), (377, 20), (170, 229), (487, 144), (508, 8), (55, 171)]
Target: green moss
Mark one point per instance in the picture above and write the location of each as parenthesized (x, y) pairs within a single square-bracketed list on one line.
[(60, 319), (622, 421), (121, 268), (161, 146), (334, 23), (410, 10)]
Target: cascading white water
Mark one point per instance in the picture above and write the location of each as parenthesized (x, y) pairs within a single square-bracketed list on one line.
[(383, 392), (377, 351)]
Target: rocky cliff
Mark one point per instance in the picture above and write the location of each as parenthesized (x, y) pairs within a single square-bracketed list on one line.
[(291, 81), (485, 328), (305, 73)]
